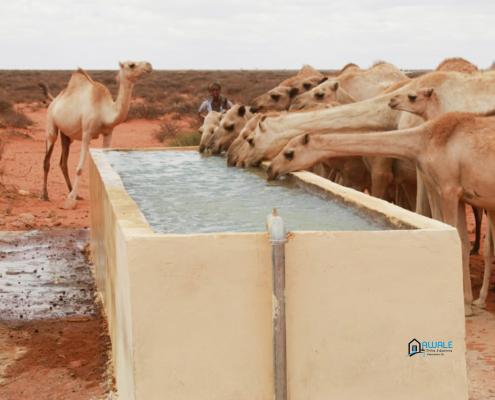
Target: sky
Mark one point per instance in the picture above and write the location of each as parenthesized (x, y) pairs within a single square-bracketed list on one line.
[(248, 34)]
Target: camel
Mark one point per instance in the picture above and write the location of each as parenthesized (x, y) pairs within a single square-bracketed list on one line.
[(231, 125), (448, 151), (426, 104), (210, 123), (84, 110), (353, 84), (280, 97), (329, 92), (270, 134)]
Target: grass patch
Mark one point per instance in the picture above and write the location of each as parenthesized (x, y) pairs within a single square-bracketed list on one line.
[(169, 132), (186, 139)]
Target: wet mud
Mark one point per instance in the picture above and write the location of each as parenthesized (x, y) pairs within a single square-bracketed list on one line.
[(54, 340), (45, 275)]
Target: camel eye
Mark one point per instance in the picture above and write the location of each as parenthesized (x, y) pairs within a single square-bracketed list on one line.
[(307, 86), (289, 154), (251, 142), (412, 97), (319, 95), (275, 97), (230, 128)]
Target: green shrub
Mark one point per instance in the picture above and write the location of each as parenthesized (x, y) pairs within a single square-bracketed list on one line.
[(186, 139)]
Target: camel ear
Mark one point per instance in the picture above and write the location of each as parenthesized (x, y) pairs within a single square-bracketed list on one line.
[(121, 64), (305, 140), (325, 78), (241, 111), (293, 92), (429, 92), (335, 86)]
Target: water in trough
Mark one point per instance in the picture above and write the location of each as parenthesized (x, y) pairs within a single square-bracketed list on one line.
[(184, 192)]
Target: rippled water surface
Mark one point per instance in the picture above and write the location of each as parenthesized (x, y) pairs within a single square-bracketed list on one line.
[(183, 192)]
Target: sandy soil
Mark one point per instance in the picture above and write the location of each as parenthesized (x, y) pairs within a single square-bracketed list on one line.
[(21, 172)]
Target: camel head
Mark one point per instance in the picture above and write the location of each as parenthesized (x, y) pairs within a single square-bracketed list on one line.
[(240, 146), (418, 102), (293, 157), (262, 144), (276, 99), (133, 70), (231, 125), (210, 123), (326, 92)]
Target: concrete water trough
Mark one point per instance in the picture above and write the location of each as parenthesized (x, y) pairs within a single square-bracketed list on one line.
[(374, 310)]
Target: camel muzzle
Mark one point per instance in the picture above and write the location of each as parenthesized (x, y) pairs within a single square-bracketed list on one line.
[(271, 174)]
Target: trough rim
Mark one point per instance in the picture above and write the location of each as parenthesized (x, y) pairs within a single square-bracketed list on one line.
[(134, 223)]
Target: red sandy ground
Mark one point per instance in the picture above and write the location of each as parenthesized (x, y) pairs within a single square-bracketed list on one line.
[(22, 170), (22, 165)]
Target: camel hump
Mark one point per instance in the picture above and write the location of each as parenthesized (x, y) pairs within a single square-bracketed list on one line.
[(85, 74), (308, 70), (457, 64), (379, 62), (348, 66)]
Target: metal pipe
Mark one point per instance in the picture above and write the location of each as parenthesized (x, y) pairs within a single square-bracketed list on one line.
[(278, 238)]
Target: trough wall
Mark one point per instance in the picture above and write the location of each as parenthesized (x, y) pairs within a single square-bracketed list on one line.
[(190, 316)]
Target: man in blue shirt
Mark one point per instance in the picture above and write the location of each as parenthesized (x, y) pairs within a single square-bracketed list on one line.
[(215, 102)]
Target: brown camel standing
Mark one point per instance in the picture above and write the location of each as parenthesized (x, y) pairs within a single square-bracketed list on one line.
[(447, 150), (84, 110)]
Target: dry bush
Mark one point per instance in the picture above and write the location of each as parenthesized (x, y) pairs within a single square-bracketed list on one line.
[(145, 111), (10, 118), (168, 130)]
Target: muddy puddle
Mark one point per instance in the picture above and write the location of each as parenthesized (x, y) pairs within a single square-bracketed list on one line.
[(45, 275)]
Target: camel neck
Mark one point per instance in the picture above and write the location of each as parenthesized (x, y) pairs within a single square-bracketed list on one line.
[(404, 143), (123, 101), (434, 110), (366, 115)]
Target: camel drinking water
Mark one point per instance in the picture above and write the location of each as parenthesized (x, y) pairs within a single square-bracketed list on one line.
[(448, 151)]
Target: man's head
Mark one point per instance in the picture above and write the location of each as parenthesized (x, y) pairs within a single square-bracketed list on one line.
[(214, 88)]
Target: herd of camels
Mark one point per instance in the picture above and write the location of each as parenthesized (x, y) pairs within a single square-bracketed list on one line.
[(427, 144)]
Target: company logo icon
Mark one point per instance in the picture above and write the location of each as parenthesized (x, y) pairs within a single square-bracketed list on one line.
[(414, 347)]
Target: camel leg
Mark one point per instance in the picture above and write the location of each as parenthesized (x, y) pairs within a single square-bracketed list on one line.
[(488, 254), (409, 196), (70, 202), (381, 176), (422, 203), (454, 213), (107, 140), (64, 158), (51, 138), (466, 274), (478, 216)]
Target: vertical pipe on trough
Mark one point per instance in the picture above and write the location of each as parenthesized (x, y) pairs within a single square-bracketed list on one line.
[(278, 238)]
